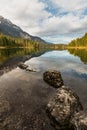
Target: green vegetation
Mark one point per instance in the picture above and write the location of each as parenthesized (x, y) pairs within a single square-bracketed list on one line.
[(10, 42), (79, 42)]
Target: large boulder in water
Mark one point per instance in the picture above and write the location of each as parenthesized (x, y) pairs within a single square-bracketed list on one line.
[(79, 121), (62, 107), (53, 78)]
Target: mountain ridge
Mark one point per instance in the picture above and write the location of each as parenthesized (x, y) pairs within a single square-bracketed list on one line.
[(10, 29)]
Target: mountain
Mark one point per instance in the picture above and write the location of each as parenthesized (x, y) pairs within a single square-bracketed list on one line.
[(10, 29)]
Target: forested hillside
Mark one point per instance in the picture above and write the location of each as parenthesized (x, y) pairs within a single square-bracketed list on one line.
[(7, 41), (79, 42)]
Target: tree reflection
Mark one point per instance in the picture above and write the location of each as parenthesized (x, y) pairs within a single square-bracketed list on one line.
[(81, 53)]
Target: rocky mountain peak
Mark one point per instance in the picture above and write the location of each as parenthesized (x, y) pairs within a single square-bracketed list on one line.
[(10, 29), (4, 20)]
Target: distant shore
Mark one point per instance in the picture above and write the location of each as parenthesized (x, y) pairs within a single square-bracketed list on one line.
[(73, 47), (55, 47)]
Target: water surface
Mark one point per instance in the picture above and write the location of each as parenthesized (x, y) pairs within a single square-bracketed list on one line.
[(24, 95), (71, 63), (73, 70)]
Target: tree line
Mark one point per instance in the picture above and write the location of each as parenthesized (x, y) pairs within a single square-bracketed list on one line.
[(79, 42), (7, 41)]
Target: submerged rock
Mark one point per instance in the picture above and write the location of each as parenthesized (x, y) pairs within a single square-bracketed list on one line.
[(53, 78), (79, 121), (30, 69), (22, 65), (62, 107), (26, 67)]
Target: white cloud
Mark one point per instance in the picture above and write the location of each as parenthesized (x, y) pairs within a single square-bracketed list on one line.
[(67, 24), (33, 17), (27, 13)]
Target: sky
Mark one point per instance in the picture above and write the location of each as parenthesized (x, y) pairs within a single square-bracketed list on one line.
[(56, 21)]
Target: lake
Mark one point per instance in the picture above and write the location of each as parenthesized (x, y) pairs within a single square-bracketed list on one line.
[(72, 68), (71, 63), (24, 95)]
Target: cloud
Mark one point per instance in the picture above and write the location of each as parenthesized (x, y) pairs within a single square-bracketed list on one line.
[(26, 13), (53, 20), (65, 5), (65, 25)]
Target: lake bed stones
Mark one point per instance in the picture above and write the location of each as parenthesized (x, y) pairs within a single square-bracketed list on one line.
[(53, 78)]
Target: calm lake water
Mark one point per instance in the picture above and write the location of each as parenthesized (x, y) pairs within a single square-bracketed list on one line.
[(71, 63), (73, 68)]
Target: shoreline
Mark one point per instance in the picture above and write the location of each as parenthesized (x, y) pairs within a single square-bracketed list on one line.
[(81, 47)]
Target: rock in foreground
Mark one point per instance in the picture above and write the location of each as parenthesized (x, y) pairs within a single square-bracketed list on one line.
[(53, 78), (79, 121), (62, 107)]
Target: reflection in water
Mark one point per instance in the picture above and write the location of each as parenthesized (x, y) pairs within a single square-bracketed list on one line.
[(61, 60), (73, 71), (5, 54), (82, 53), (9, 58)]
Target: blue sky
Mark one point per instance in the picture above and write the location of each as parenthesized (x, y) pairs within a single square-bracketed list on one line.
[(56, 21)]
